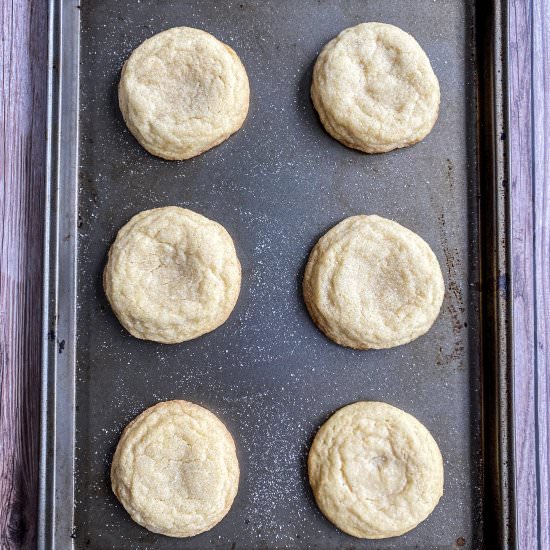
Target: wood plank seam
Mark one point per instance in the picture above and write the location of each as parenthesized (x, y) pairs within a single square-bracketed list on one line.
[(541, 258)]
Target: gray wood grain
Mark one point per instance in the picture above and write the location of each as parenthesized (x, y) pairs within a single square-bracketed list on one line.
[(541, 174), (22, 156), (529, 78)]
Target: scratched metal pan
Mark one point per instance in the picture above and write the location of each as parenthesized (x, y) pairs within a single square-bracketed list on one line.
[(277, 186)]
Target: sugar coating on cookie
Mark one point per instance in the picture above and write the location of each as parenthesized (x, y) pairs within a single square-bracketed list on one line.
[(372, 283), (175, 469), (374, 88), (375, 470), (183, 92), (172, 275)]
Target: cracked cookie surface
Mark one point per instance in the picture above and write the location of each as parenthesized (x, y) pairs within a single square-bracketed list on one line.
[(182, 92), (172, 275), (375, 470), (371, 283), (374, 88), (175, 469)]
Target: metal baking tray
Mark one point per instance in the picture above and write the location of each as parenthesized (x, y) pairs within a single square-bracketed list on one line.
[(277, 186)]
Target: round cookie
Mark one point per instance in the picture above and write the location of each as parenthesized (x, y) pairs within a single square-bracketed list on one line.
[(375, 470), (172, 275), (374, 88), (175, 469), (372, 283), (183, 92)]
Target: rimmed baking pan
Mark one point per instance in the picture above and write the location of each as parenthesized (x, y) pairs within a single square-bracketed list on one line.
[(277, 185)]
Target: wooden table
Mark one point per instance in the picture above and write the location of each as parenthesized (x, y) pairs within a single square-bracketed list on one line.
[(22, 169)]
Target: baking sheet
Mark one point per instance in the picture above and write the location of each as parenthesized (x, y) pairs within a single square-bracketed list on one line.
[(277, 186)]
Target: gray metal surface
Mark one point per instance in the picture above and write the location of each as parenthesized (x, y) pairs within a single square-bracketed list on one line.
[(56, 479), (277, 186)]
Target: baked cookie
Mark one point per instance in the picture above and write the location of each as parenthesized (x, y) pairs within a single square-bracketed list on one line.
[(371, 283), (175, 469), (375, 470), (182, 92), (172, 275), (374, 88)]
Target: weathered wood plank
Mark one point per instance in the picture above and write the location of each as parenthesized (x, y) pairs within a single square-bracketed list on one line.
[(541, 175), (530, 178), (22, 160), (523, 292)]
